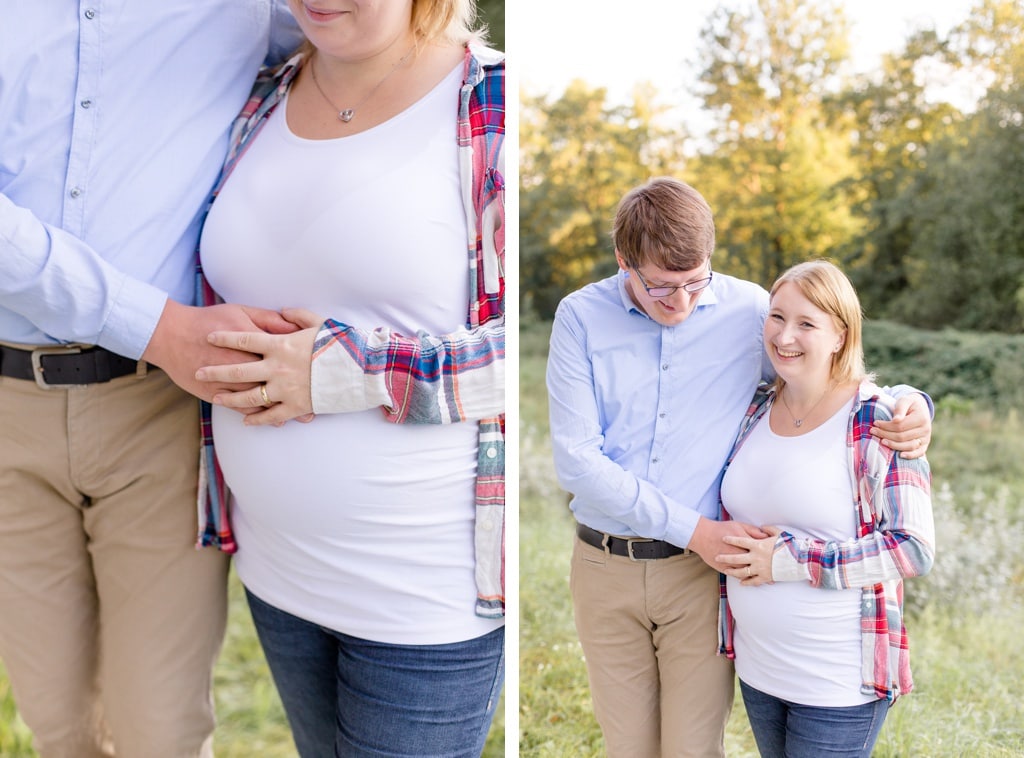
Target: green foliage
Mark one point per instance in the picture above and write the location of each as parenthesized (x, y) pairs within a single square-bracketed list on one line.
[(15, 738), (892, 125), (984, 367), (775, 167), (578, 156)]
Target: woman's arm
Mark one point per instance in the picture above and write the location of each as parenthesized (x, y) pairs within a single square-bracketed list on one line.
[(425, 379), (330, 367)]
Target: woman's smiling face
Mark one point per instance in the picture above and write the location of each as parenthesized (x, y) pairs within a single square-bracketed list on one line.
[(800, 337)]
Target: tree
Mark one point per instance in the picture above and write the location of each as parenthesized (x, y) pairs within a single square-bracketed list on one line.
[(892, 125), (578, 156), (966, 263), (774, 169), (943, 200)]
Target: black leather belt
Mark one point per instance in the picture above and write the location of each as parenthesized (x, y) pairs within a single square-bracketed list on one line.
[(634, 548), (66, 366)]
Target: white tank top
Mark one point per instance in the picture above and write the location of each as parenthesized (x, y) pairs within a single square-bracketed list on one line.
[(794, 641), (353, 523)]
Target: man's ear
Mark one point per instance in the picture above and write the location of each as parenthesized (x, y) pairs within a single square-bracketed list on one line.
[(622, 263)]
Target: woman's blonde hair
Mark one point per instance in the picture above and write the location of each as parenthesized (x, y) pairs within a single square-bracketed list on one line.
[(828, 288), (446, 20)]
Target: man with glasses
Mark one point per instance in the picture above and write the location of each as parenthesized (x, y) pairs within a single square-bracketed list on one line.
[(649, 374)]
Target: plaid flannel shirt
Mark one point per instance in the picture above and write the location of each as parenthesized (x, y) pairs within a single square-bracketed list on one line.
[(423, 379), (895, 539)]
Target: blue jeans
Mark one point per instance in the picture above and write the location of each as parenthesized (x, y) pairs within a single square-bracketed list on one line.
[(348, 697), (782, 728)]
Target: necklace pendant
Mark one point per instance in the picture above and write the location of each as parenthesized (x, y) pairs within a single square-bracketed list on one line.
[(798, 422), (346, 115)]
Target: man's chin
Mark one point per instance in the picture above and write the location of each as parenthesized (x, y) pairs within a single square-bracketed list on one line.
[(670, 318)]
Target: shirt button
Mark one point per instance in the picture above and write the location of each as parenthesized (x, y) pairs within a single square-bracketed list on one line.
[(491, 452), (75, 192), (86, 103), (662, 415), (664, 367), (655, 460), (90, 14)]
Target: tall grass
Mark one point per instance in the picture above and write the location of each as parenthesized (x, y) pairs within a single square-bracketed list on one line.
[(964, 618)]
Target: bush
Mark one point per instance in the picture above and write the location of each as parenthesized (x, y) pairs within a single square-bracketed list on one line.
[(972, 575), (984, 367)]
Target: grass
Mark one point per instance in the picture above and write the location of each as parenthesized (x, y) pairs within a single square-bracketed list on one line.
[(968, 661), (251, 721)]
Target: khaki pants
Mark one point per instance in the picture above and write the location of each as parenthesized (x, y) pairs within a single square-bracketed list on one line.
[(110, 619), (649, 634)]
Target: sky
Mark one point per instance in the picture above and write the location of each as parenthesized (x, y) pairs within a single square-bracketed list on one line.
[(616, 45)]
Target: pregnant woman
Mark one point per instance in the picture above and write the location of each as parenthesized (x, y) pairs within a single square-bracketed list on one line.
[(366, 185), (814, 612)]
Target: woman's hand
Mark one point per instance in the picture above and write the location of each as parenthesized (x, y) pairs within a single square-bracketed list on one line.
[(910, 430), (282, 376), (753, 567)]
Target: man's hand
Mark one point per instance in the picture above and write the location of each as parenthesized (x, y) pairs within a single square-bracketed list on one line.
[(910, 431), (708, 540), (180, 344)]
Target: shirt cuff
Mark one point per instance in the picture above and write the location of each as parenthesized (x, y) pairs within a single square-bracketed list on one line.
[(681, 526), (132, 318)]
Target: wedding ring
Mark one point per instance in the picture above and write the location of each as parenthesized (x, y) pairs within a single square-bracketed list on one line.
[(748, 571), (263, 395)]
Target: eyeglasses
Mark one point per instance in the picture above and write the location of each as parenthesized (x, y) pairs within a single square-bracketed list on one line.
[(665, 290)]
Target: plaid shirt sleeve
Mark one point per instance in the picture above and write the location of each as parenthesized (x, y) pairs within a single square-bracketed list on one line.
[(422, 379)]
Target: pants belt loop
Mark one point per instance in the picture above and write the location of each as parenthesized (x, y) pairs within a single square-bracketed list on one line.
[(604, 543)]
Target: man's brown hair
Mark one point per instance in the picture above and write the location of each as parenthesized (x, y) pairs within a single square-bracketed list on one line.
[(664, 222)]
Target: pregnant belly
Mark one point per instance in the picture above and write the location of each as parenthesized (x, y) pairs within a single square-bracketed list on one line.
[(346, 474)]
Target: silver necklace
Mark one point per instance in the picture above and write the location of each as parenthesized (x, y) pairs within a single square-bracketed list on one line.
[(798, 422), (347, 114)]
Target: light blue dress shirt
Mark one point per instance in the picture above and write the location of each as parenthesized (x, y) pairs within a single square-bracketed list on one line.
[(643, 416), (113, 127)]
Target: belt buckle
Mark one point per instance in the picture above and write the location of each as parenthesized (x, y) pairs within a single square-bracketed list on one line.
[(37, 364), (629, 548)]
